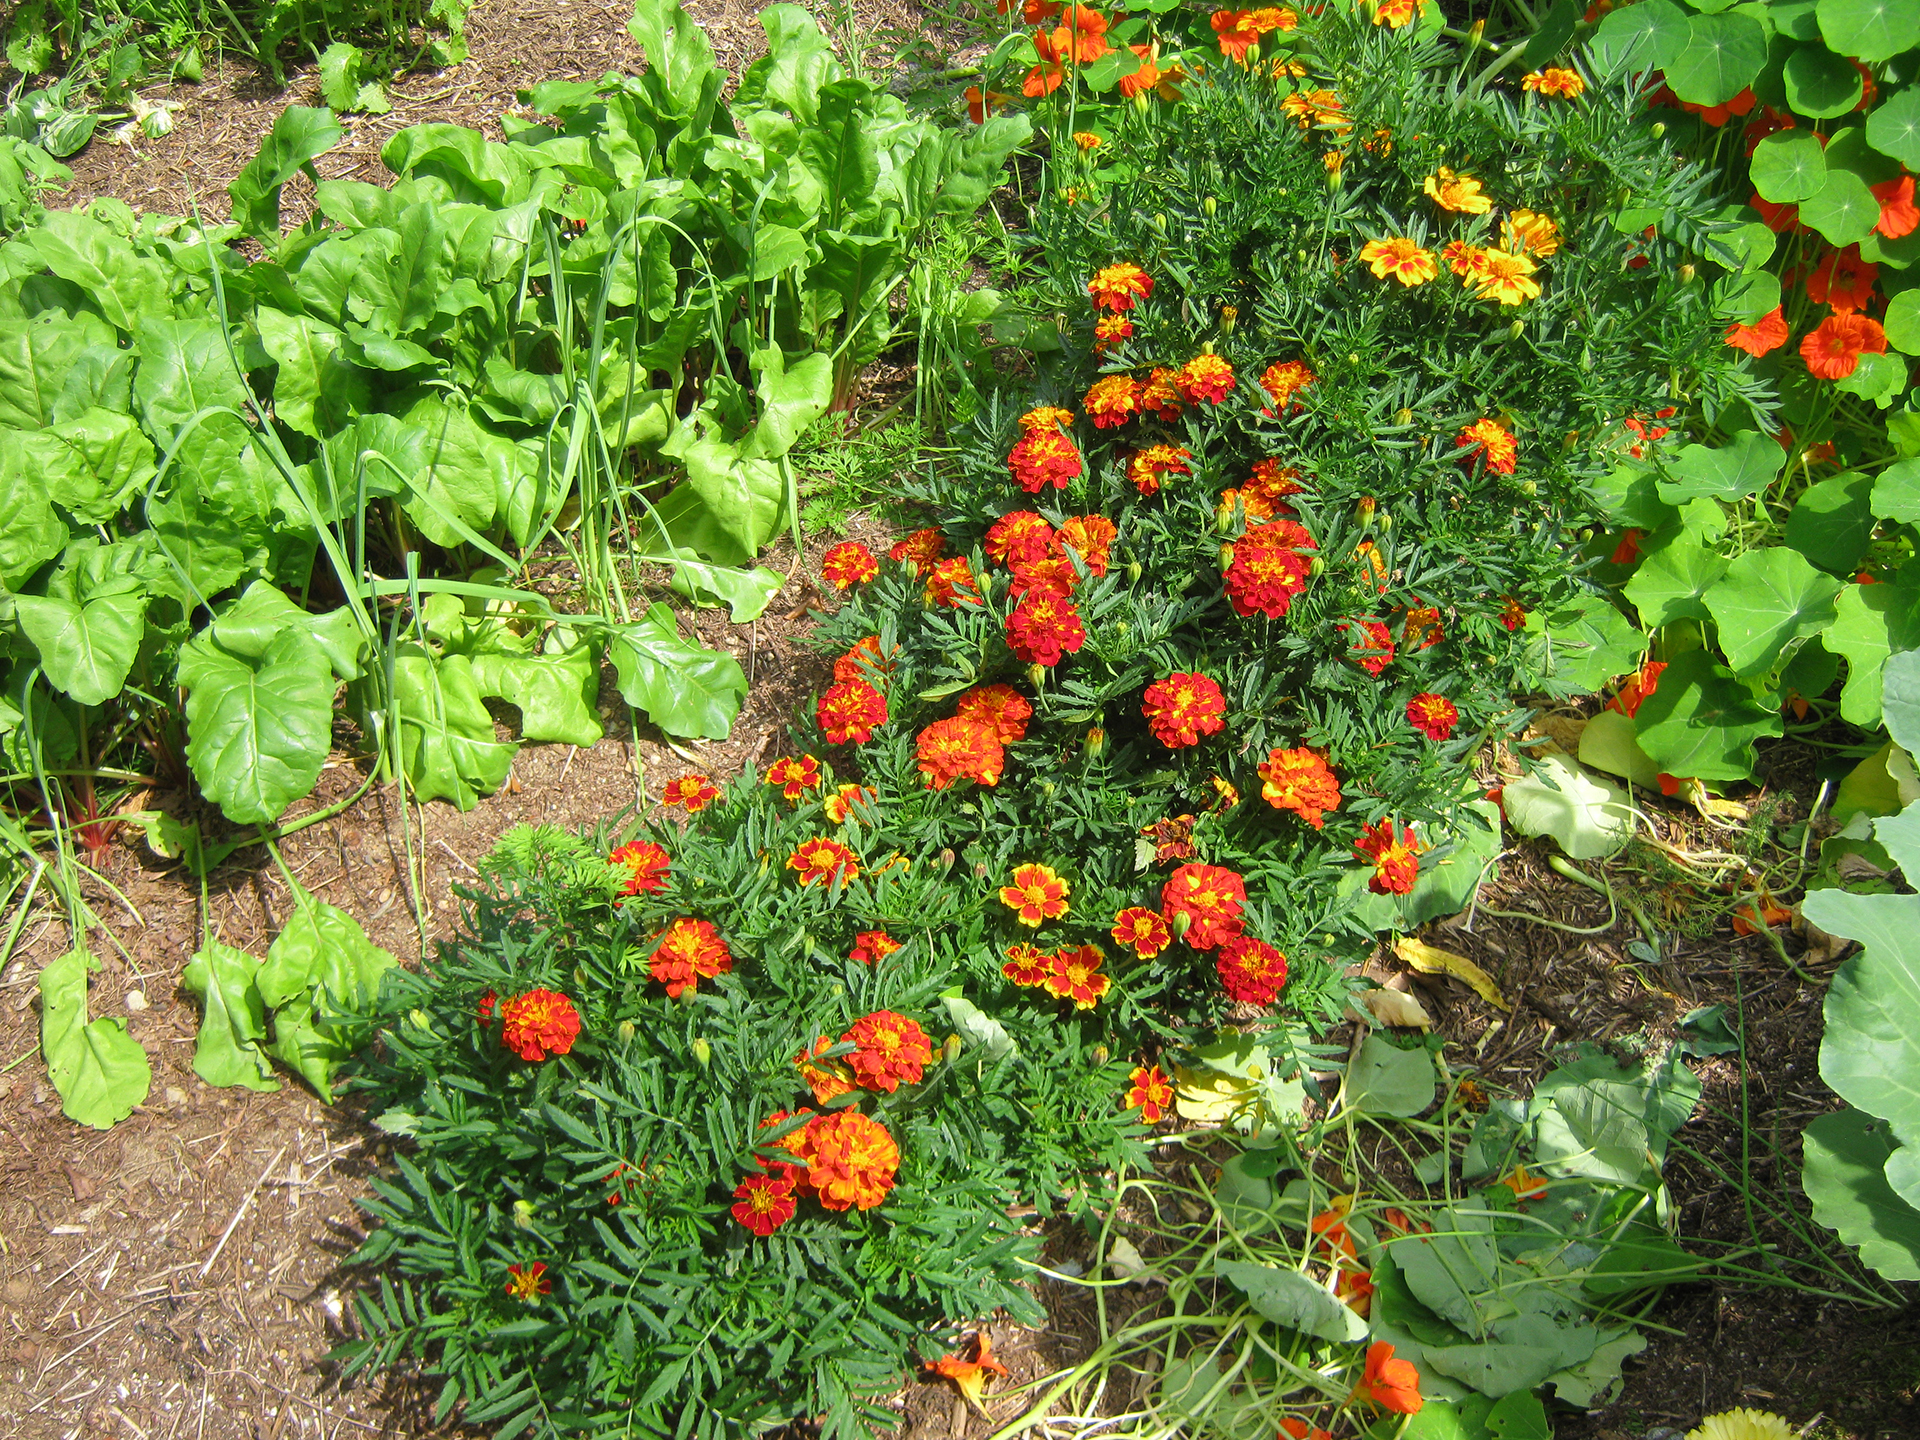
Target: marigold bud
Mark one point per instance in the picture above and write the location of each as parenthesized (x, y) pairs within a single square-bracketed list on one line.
[(420, 1020), (1385, 522), (1160, 222), (702, 1051), (1179, 923), (523, 1214), (1101, 1054), (625, 1031), (1659, 128), (1363, 512), (1036, 674), (1403, 416), (1316, 566), (951, 1049), (1229, 317), (1527, 487), (944, 860), (1096, 742), (1475, 33), (1210, 205), (1134, 572), (580, 977), (1516, 329), (1687, 272)]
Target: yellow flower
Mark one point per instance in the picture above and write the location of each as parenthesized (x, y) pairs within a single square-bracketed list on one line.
[(1458, 193), (1742, 1425), (1566, 84), (1506, 277), (1528, 231), (1404, 260), (1397, 13), (1086, 140)]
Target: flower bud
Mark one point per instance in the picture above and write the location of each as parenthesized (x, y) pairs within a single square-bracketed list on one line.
[(1229, 317), (1101, 1054), (951, 1050), (420, 1020), (1385, 521), (625, 1031), (1206, 347), (580, 976), (1096, 742), (1476, 33), (1687, 272), (1140, 102), (1211, 206), (1363, 512), (1527, 487), (702, 1051), (1659, 128), (1516, 329), (523, 1214), (979, 869), (944, 860), (1179, 923), (1160, 222), (1134, 572), (1036, 674), (1316, 566), (1403, 416)]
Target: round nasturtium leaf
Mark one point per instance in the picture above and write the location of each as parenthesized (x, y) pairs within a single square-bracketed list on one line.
[(1894, 127), (1722, 55), (1820, 84), (1796, 19), (1902, 322), (1870, 29), (1646, 36), (1844, 211), (1789, 166), (1847, 149)]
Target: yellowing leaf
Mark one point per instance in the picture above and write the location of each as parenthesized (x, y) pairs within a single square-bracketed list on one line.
[(1208, 1096), (1431, 961), (1396, 1008)]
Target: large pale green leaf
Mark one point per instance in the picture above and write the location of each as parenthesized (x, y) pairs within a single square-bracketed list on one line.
[(1845, 1176), (1386, 1080), (30, 533), (1894, 126), (100, 1071), (1769, 598), (91, 464), (1723, 53), (1845, 211), (1670, 582), (1872, 622), (555, 691), (233, 1020), (1728, 472), (1701, 722), (299, 135), (403, 273), (790, 401), (684, 689), (248, 625), (468, 466), (728, 506), (1580, 646), (258, 729), (1902, 322), (319, 966), (185, 367), (843, 152), (1455, 1270), (446, 742), (126, 285), (679, 57), (1289, 1298), (1900, 699), (1589, 818), (1634, 39), (1870, 30), (38, 356), (87, 649), (317, 390)]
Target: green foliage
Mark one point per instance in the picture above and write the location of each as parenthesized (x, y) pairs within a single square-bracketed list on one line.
[(100, 1071)]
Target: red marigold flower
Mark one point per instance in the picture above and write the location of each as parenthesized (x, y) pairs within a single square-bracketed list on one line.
[(1432, 715), (828, 1079), (689, 951), (692, 793), (870, 947), (960, 749), (1300, 781), (794, 774), (1112, 400), (822, 861), (865, 662), (1210, 898), (1205, 379), (1251, 970), (793, 1144), (1512, 615), (893, 1049), (1183, 707), (841, 803), (1044, 628), (646, 864), (951, 586), (1762, 338), (1391, 1384), (851, 1160), (1833, 351), (1027, 965), (1053, 576), (1899, 217), (1017, 536), (848, 564), (764, 1204), (1149, 1092), (1642, 683), (1172, 838), (539, 1023), (1142, 931), (1090, 537), (1074, 974), (1491, 441), (1116, 287), (1161, 396), (1001, 707), (1372, 649), (850, 712), (1043, 458), (920, 549), (1263, 579), (528, 1284), (1843, 280), (1283, 381), (1395, 856), (1037, 893), (1110, 330), (1150, 466)]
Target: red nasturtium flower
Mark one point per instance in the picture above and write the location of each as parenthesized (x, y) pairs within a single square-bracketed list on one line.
[(1642, 683), (1762, 337), (1833, 350), (1074, 974), (848, 564), (692, 793), (1183, 707), (1142, 931), (1018, 536), (1112, 400), (1090, 537), (1027, 965), (1117, 286), (1043, 458), (1372, 648), (1150, 466), (539, 1023), (851, 1160), (1000, 707), (1036, 893), (959, 749), (1432, 715), (1843, 281), (1389, 1383), (646, 865), (764, 1203), (982, 103), (892, 1049), (920, 549), (1251, 970), (822, 861), (1300, 781), (1204, 380), (870, 947), (828, 1079), (794, 774), (1628, 550), (530, 1283), (1395, 856), (1046, 77), (850, 712), (1149, 1092), (1899, 217), (1209, 898), (689, 951), (1043, 628), (1491, 441)]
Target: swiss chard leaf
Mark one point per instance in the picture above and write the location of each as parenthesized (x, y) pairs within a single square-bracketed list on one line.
[(233, 1020), (100, 1071), (258, 727), (685, 689)]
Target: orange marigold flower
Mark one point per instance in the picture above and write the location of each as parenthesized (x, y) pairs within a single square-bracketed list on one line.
[(1270, 17), (959, 749), (1463, 258), (646, 863), (1183, 707), (1396, 13), (1263, 579), (852, 1160), (1001, 708), (1204, 380), (1160, 396), (539, 1023), (920, 549), (1761, 338), (1559, 83), (1251, 970), (1505, 277), (1491, 441), (1142, 931), (969, 1376), (1833, 351), (764, 1204), (1113, 400), (1642, 683), (1027, 965), (794, 774), (1300, 781), (892, 1049), (841, 803), (1372, 563), (1401, 258), (1433, 715), (1149, 1092), (1150, 466), (1235, 41), (1074, 974), (1226, 797), (951, 586), (864, 662), (848, 564), (1395, 856), (1512, 614), (1459, 193), (822, 861), (1372, 648), (1038, 893), (1053, 576), (870, 947), (1116, 287), (1045, 417), (1899, 216), (1019, 535), (1527, 230), (692, 793), (528, 1284), (1110, 330), (1283, 381), (850, 711), (689, 951), (1843, 280), (1091, 537), (1389, 1383), (1087, 140), (1043, 458), (1309, 108), (1043, 628), (1210, 898), (828, 1079)]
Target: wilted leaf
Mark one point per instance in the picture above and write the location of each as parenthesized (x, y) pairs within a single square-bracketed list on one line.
[(1430, 960)]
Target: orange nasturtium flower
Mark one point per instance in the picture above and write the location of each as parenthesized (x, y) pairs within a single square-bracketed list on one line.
[(1150, 466), (764, 1203), (1149, 1092), (1236, 37), (1899, 216), (794, 774), (528, 1284), (1074, 974), (692, 793), (1112, 400), (851, 1160), (1433, 716), (1525, 1186), (689, 951), (1560, 83), (969, 1376), (1459, 193), (982, 103), (892, 1049), (1300, 781), (870, 947), (539, 1023), (1142, 931), (1183, 707), (851, 711), (646, 865), (1401, 258), (1294, 1428), (1081, 35), (822, 861), (1763, 337), (1208, 899), (1389, 1383), (1833, 351), (1117, 286), (1037, 893), (848, 564), (959, 749), (1843, 280), (1395, 855), (1491, 441)]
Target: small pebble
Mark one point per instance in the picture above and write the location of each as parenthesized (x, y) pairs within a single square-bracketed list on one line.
[(136, 1000)]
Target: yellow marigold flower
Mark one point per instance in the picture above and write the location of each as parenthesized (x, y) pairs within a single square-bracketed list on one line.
[(1397, 13), (1333, 160), (1045, 417), (1564, 84), (1087, 140), (1529, 231), (1458, 193), (841, 803), (1271, 17), (1401, 258), (1506, 277)]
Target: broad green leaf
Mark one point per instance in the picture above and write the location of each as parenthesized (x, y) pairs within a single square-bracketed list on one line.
[(978, 1028), (1896, 493), (1594, 1130), (1894, 126), (299, 135), (29, 45), (843, 152), (1846, 1155), (1670, 582), (1499, 1367), (1386, 1080), (1582, 645), (728, 506), (86, 649), (1902, 322), (38, 356), (1589, 818), (258, 730), (679, 56), (1729, 472), (745, 593), (790, 401), (1900, 699), (247, 626), (1832, 522), (233, 1020), (1844, 212), (322, 948), (1879, 378), (1455, 1270), (446, 741), (684, 689), (1723, 53), (1633, 39), (1289, 1298), (317, 391), (1811, 672), (403, 275), (1585, 1384), (797, 63), (467, 468), (1769, 598), (30, 533), (126, 285), (185, 367), (555, 692), (1790, 166), (1748, 297), (1870, 30), (1820, 84), (1701, 722), (1610, 743), (1871, 622), (100, 1071), (91, 464)]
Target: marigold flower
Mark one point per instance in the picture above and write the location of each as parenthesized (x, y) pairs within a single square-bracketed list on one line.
[(1300, 781), (1038, 893), (1842, 280), (539, 1023), (1251, 970), (1642, 683), (1110, 330), (1044, 628), (794, 774), (1086, 140), (1490, 441), (1464, 258), (1533, 232), (921, 549), (528, 1284), (850, 711), (1512, 614), (1074, 974), (1053, 576), (1044, 417), (870, 947), (1019, 535), (1210, 897), (689, 951), (1283, 381), (892, 1049), (793, 1143), (959, 749), (1183, 707), (1150, 466), (1389, 1383), (851, 1160), (1742, 1424), (1401, 258), (1091, 537), (1308, 108), (951, 586), (1142, 931), (1112, 400), (969, 1376), (828, 1079), (1556, 82), (1505, 277), (1270, 17), (1433, 715), (1001, 708), (764, 1204), (1027, 965), (821, 862), (1235, 41), (841, 803), (692, 793), (1372, 648), (1765, 336), (1205, 379), (1149, 1092), (1395, 856), (1043, 458), (646, 864), (1117, 286), (1899, 216), (1397, 14), (483, 1012), (1459, 193), (1160, 395), (848, 564), (1263, 579), (1833, 350)]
